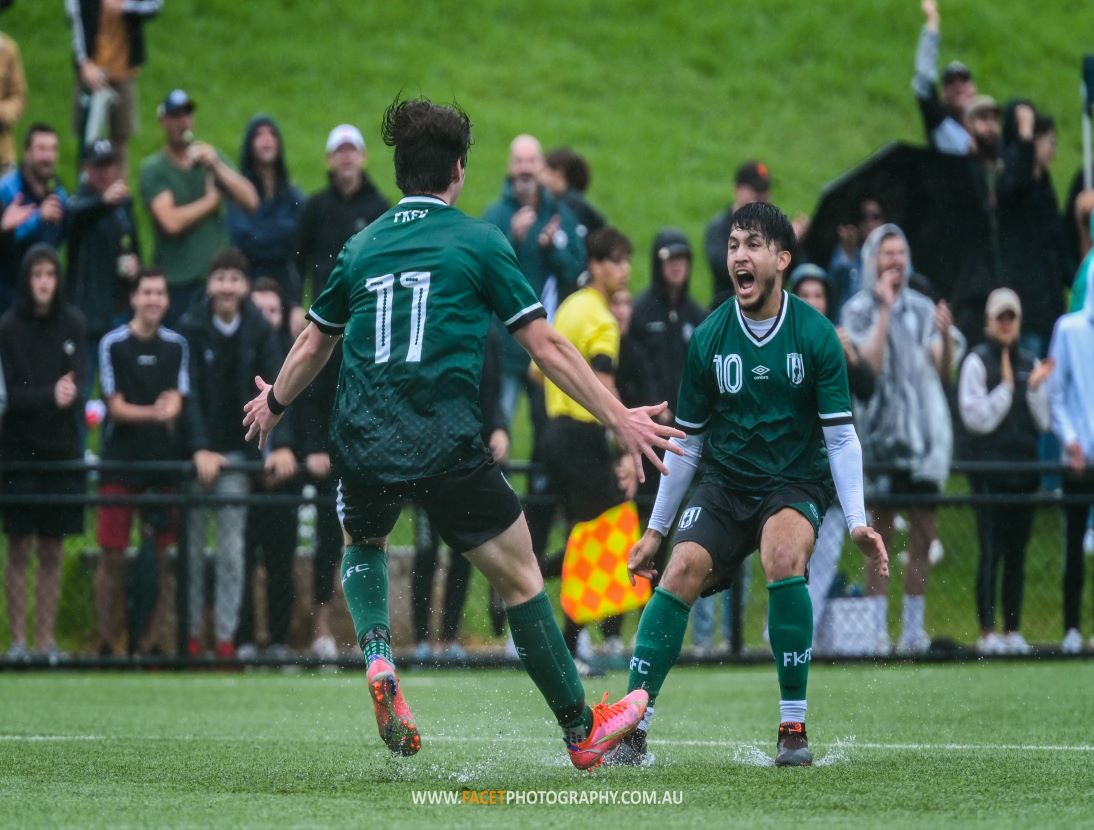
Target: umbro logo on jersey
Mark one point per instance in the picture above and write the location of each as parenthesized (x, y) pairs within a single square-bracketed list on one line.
[(761, 372)]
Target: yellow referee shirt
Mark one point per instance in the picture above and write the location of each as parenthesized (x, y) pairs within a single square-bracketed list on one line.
[(584, 319)]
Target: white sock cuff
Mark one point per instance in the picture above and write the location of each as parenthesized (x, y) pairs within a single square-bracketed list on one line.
[(792, 711)]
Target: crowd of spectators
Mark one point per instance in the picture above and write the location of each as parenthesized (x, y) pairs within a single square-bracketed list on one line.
[(170, 333)]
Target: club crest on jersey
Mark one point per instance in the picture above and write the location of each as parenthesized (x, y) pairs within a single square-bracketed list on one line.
[(795, 368), (688, 517)]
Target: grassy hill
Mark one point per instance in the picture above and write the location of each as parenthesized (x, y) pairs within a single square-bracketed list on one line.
[(664, 99)]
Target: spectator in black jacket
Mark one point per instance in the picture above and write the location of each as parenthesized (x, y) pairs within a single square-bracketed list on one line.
[(1003, 403), (268, 236), (42, 350), (272, 528), (1031, 244), (103, 247), (332, 215), (943, 114), (665, 315), (231, 343)]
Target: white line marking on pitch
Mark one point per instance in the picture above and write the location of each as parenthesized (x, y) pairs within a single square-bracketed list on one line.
[(913, 747)]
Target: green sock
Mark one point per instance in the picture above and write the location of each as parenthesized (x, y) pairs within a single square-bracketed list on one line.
[(790, 627), (364, 583), (660, 635), (543, 652)]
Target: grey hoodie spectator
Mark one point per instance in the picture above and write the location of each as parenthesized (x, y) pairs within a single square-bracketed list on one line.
[(905, 340), (1071, 397)]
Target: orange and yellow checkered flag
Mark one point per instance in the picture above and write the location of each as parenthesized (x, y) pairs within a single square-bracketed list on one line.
[(594, 572)]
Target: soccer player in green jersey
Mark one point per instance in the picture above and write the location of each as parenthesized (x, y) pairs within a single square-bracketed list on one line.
[(411, 297), (764, 396)]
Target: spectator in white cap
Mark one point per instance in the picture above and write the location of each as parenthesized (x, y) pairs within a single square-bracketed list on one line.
[(1002, 400), (334, 214)]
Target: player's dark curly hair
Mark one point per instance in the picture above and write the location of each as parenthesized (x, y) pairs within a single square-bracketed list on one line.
[(768, 221), (428, 139)]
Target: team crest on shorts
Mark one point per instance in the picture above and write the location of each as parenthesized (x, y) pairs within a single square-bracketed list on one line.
[(795, 368), (688, 517)]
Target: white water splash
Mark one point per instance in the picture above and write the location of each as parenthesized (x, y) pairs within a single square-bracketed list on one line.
[(838, 753)]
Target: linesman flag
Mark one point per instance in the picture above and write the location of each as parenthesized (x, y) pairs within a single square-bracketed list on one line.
[(594, 572)]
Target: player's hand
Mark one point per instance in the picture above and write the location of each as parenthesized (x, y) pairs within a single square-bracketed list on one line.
[(547, 235), (209, 464), (930, 12), (257, 418), (640, 561), (279, 466), (869, 541), (116, 193), (92, 76), (639, 433), (886, 288), (317, 464)]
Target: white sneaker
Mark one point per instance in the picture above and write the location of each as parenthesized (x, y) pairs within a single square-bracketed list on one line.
[(247, 651), (325, 648), (992, 644), (914, 642), (423, 651), (1016, 644), (585, 646), (1088, 541), (510, 647), (1073, 642), (701, 651)]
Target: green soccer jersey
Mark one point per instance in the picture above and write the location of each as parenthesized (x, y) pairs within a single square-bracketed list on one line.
[(762, 400), (413, 294)]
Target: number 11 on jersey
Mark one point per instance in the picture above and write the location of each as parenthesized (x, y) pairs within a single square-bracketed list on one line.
[(384, 288)]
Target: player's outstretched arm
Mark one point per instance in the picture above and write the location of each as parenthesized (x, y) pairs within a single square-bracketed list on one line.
[(309, 354), (636, 430)]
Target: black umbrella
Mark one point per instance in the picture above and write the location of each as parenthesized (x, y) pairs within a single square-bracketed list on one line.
[(936, 199)]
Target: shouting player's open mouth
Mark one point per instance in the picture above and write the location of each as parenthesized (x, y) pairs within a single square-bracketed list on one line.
[(746, 282)]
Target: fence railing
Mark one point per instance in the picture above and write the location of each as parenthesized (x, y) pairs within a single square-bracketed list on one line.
[(242, 583)]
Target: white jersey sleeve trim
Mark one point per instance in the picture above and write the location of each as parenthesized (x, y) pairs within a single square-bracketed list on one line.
[(673, 487), (522, 312), (322, 322), (845, 461)]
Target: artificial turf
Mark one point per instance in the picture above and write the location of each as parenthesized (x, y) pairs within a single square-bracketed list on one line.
[(990, 744)]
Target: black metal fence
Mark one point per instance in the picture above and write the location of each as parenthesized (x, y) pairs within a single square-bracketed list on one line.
[(258, 589)]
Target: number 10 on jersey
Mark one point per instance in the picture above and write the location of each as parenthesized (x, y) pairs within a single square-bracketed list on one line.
[(384, 289)]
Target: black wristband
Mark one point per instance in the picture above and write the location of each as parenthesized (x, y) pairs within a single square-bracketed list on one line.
[(273, 404)]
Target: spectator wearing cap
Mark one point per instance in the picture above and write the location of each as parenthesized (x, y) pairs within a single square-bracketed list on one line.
[(334, 214), (108, 51), (943, 113), (268, 236), (33, 202), (183, 186), (980, 274), (1031, 244), (103, 247), (13, 98), (752, 183), (1002, 401), (566, 174)]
